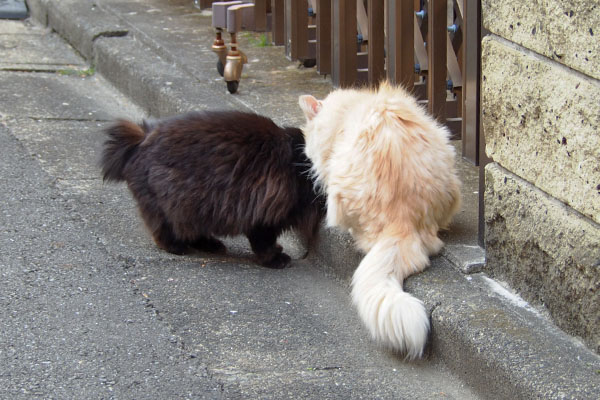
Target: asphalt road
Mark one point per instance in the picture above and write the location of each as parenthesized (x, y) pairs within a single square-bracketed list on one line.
[(91, 309)]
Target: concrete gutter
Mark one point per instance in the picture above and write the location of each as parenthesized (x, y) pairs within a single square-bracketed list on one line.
[(487, 336)]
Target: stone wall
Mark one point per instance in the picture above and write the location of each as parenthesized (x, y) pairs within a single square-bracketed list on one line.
[(541, 121)]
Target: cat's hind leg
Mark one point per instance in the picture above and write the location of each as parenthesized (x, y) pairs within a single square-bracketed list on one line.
[(209, 244), (166, 240), (431, 242), (263, 241), (155, 218), (161, 230)]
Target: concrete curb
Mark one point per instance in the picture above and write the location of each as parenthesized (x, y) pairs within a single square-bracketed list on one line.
[(502, 349)]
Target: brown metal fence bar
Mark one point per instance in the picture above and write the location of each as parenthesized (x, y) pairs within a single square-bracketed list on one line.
[(260, 15), (376, 42), (436, 53), (471, 68), (324, 37), (301, 21), (287, 24), (296, 28), (343, 27), (400, 43), (277, 22)]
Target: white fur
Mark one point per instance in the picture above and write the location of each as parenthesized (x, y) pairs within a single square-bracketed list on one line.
[(388, 170), (392, 316)]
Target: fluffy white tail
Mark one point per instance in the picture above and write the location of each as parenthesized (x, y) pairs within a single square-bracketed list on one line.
[(395, 318)]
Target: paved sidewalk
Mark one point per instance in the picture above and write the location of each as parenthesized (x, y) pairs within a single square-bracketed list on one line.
[(157, 53), (92, 309)]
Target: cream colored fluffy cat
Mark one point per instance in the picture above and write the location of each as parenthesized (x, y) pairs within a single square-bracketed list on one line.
[(388, 170)]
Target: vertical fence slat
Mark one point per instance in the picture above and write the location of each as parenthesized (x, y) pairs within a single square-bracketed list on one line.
[(376, 41), (400, 43), (301, 21), (287, 27), (436, 53), (296, 28), (471, 75), (324, 37), (260, 15), (277, 24), (343, 28)]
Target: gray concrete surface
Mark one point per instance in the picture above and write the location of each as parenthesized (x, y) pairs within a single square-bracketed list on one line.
[(493, 343), (90, 308)]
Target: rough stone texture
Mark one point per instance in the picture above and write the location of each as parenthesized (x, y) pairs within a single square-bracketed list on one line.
[(505, 350), (565, 30), (38, 10), (481, 333), (21, 43), (143, 76), (537, 114), (467, 258), (81, 33), (336, 252), (547, 251)]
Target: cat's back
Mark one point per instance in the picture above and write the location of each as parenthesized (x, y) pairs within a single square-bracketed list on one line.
[(213, 127), (212, 138), (211, 151), (389, 121)]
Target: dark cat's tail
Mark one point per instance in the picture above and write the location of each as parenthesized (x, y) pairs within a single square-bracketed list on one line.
[(123, 137)]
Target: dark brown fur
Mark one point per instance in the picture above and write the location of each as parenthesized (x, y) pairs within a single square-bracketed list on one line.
[(209, 174)]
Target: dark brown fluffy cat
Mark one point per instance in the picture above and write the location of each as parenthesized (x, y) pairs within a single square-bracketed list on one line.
[(207, 174)]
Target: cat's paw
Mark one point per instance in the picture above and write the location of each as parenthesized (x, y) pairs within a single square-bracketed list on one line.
[(175, 248), (210, 245), (279, 261)]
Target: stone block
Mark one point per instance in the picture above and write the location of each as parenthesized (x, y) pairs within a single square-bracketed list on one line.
[(336, 252), (541, 121), (21, 51), (545, 250), (564, 30), (152, 83), (81, 33), (38, 10)]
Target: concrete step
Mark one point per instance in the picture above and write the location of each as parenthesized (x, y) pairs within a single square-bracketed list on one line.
[(498, 345)]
